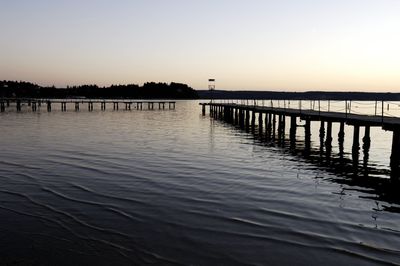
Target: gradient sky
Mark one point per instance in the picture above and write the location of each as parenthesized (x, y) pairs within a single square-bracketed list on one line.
[(270, 45)]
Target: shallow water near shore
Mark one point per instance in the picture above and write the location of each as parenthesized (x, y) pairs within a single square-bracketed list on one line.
[(173, 187)]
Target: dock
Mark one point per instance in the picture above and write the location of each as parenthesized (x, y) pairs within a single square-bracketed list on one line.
[(274, 119), (76, 104)]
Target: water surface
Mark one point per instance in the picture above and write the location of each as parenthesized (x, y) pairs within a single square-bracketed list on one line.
[(174, 187)]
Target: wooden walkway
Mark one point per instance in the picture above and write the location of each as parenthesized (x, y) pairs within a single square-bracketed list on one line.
[(386, 122), (128, 104), (274, 121)]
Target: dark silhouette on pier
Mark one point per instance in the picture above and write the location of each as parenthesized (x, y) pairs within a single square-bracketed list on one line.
[(150, 90)]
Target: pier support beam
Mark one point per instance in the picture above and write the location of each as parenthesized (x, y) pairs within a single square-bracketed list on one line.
[(341, 140), (321, 137), (48, 106), (247, 118), (260, 123), (328, 141), (293, 129), (236, 116), (76, 106), (2, 107), (356, 145), (307, 139), (395, 156), (269, 126), (253, 119), (18, 105), (366, 146), (280, 127), (273, 126), (203, 110)]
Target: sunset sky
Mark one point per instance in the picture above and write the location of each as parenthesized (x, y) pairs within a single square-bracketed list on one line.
[(253, 45)]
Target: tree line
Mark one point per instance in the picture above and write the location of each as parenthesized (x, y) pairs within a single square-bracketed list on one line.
[(149, 90)]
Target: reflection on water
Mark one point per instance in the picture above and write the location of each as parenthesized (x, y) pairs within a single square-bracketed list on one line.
[(174, 187)]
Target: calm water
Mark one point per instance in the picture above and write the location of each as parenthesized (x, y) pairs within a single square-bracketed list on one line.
[(173, 187)]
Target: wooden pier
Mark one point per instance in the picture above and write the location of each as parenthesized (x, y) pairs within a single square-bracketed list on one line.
[(76, 104), (274, 121)]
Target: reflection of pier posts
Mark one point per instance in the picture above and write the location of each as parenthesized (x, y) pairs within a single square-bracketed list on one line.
[(356, 145), (18, 105), (307, 133), (341, 140), (321, 137), (241, 118), (34, 106), (328, 141), (293, 129), (366, 146), (395, 156), (76, 106), (269, 126), (260, 123), (236, 110), (281, 127), (253, 120), (273, 126), (247, 118)]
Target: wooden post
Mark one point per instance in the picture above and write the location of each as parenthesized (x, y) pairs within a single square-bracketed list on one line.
[(253, 118), (341, 140), (247, 118), (395, 156), (366, 146), (356, 145), (293, 129), (269, 126), (321, 137), (307, 133), (76, 106), (203, 107), (18, 105), (260, 123), (280, 127), (328, 141)]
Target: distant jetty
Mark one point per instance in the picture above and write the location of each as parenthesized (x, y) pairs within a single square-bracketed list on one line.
[(150, 90)]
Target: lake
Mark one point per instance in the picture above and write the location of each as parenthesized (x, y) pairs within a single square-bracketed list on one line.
[(173, 187)]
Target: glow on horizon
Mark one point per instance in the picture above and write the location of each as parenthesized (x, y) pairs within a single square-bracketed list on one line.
[(344, 45)]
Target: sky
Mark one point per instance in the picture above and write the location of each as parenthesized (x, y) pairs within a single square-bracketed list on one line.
[(291, 45)]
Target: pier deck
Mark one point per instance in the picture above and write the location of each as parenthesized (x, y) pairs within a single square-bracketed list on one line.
[(128, 104)]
